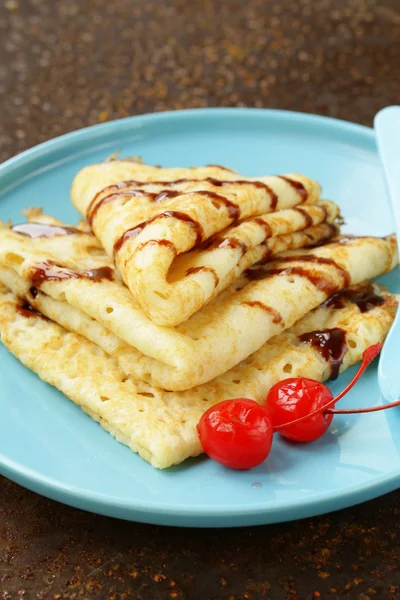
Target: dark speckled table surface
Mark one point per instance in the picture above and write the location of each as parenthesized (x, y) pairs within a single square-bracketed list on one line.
[(65, 64)]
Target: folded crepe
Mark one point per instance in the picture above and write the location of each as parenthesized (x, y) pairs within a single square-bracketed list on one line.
[(161, 425), (71, 267), (148, 219)]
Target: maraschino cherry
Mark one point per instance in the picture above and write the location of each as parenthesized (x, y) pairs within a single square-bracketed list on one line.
[(238, 433)]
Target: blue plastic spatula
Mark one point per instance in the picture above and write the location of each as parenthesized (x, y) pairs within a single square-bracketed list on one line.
[(387, 128)]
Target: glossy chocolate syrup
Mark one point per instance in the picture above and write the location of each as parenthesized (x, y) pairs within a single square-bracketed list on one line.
[(333, 230), (199, 269), (276, 316), (232, 208), (257, 184), (165, 195), (48, 271), (310, 258), (304, 213), (38, 230), (130, 188), (26, 310), (163, 242), (317, 279), (132, 233), (109, 191), (94, 207), (320, 260), (156, 197), (217, 242), (99, 274), (331, 344), (298, 186), (267, 228), (365, 298)]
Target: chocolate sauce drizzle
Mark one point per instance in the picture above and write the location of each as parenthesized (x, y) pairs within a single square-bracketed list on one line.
[(267, 228), (308, 219), (217, 242), (298, 186), (165, 195), (317, 279), (331, 344), (129, 188), (333, 230), (162, 242), (365, 298), (321, 260), (124, 191), (48, 271), (180, 216), (26, 310), (276, 316), (38, 230), (203, 268)]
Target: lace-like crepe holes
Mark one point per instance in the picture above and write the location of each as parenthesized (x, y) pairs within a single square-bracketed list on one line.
[(352, 343), (237, 381), (104, 398), (146, 394), (109, 309), (288, 368)]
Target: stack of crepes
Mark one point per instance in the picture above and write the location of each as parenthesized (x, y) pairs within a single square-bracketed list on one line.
[(184, 287)]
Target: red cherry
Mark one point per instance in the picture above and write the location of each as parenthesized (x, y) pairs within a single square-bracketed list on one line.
[(323, 410), (297, 397), (236, 433)]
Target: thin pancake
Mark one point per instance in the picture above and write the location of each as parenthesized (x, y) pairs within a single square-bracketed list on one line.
[(171, 289), (160, 425), (233, 326), (145, 217)]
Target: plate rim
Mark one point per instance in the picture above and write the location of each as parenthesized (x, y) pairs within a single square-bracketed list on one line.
[(90, 131), (153, 511)]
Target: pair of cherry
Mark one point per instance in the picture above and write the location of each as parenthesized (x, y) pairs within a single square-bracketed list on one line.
[(238, 433)]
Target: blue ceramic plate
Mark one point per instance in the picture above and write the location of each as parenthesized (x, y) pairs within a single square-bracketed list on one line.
[(48, 445)]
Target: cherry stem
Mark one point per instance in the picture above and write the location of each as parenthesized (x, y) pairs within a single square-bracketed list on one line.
[(368, 356), (354, 411)]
